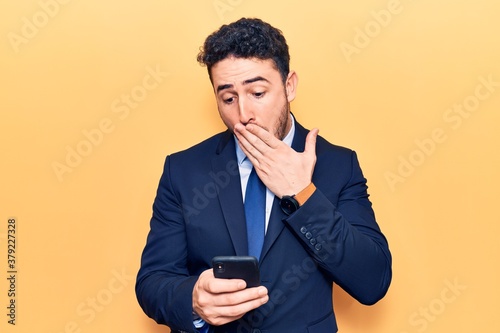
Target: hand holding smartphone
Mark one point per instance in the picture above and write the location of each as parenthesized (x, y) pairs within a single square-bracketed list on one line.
[(237, 267)]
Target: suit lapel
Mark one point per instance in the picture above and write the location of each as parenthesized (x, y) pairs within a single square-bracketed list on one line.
[(274, 228), (276, 224), (224, 164), (299, 139), (230, 198)]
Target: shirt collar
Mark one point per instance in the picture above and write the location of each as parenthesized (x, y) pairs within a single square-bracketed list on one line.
[(240, 155)]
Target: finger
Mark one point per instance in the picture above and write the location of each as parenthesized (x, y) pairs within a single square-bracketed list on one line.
[(230, 312), (209, 293), (251, 304), (311, 138), (241, 297), (256, 139), (220, 286), (264, 135), (209, 283), (253, 159), (247, 142)]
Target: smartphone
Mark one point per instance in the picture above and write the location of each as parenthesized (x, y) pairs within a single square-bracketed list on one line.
[(237, 267)]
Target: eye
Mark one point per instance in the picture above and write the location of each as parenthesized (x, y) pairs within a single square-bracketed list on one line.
[(259, 94), (228, 100)]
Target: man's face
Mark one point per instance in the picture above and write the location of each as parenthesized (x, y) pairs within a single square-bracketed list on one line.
[(252, 91)]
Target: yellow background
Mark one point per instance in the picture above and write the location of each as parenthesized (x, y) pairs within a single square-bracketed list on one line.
[(387, 86)]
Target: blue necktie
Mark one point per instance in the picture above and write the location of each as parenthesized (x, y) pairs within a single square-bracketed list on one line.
[(255, 213)]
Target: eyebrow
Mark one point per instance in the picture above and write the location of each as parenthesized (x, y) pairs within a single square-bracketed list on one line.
[(252, 80)]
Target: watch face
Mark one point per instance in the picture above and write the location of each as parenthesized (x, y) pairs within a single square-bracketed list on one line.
[(288, 205)]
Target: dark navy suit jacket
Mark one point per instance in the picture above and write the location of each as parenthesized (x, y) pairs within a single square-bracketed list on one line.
[(198, 214)]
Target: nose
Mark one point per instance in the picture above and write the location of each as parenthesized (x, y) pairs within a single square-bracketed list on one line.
[(245, 111)]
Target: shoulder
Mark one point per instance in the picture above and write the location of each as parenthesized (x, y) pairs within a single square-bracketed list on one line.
[(324, 148), (203, 149)]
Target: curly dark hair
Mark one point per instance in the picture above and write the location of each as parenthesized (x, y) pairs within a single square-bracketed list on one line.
[(246, 38)]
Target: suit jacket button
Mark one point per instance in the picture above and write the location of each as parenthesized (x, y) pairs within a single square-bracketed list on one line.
[(308, 235), (318, 247), (312, 241), (303, 230)]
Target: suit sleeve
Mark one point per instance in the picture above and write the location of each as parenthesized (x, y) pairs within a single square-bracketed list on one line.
[(164, 286), (344, 239)]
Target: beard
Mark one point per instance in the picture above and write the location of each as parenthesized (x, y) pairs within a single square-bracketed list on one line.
[(282, 122), (281, 125)]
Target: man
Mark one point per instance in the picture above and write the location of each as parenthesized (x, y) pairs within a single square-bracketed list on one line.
[(324, 233)]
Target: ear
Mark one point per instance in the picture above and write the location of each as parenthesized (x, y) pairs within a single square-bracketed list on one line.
[(291, 85)]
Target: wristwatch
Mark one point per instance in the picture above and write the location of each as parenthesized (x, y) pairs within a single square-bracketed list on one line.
[(290, 203)]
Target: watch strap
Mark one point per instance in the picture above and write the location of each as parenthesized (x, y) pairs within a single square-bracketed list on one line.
[(305, 194)]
